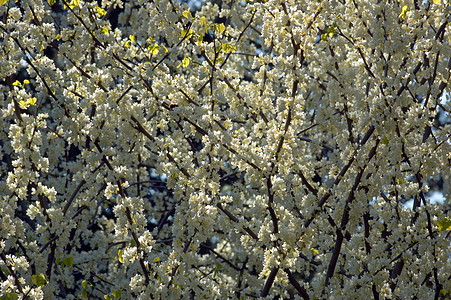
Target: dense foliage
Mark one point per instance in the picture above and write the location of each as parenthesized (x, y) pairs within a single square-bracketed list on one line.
[(233, 150)]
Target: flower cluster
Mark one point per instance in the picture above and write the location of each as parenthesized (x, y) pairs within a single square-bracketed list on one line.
[(227, 149)]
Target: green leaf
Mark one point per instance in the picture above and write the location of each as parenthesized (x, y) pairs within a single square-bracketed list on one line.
[(156, 259), (444, 224), (9, 296), (3, 2), (85, 283), (117, 293), (67, 261), (39, 280), (84, 295), (385, 140)]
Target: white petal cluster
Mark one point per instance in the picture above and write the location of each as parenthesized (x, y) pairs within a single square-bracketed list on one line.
[(225, 149)]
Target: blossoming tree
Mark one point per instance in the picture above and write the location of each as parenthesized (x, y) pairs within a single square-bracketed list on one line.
[(234, 150)]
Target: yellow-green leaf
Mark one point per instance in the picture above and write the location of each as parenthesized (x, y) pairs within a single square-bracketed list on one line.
[(186, 13), (202, 21), (228, 48), (156, 259), (119, 254), (403, 12), (74, 3), (314, 251), (100, 11), (185, 62), (67, 261), (32, 101), (17, 83), (436, 1), (165, 49), (51, 2), (25, 104), (186, 33), (9, 296), (117, 294), (221, 28), (39, 280), (444, 224), (3, 2), (331, 31), (154, 49), (84, 284)]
